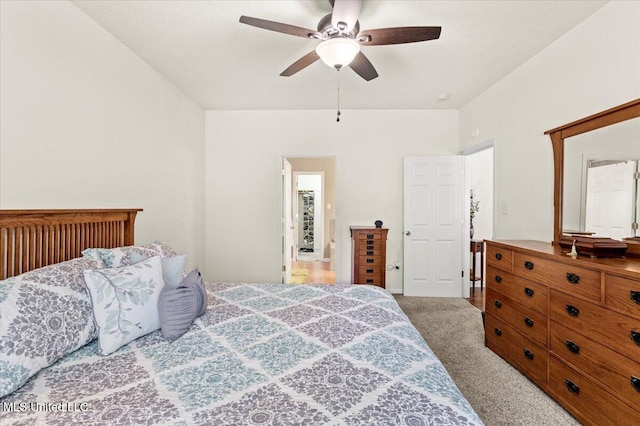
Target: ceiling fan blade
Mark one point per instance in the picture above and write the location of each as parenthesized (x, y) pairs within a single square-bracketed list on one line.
[(363, 67), (279, 27), (398, 35), (300, 64), (345, 14)]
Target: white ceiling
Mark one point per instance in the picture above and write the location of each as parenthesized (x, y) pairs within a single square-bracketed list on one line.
[(202, 48)]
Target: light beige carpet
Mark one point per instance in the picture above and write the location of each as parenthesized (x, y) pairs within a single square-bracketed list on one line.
[(499, 393)]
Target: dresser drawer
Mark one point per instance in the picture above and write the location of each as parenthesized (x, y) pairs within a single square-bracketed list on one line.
[(623, 293), (527, 356), (591, 404), (616, 372), (499, 257), (372, 279), (597, 323), (372, 236), (530, 323), (371, 269), (364, 260), (527, 292), (370, 249), (575, 280)]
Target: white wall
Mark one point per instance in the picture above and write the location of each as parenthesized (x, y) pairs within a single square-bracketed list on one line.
[(85, 123), (243, 181), (593, 67)]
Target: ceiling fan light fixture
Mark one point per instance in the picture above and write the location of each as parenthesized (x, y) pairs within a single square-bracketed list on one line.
[(338, 52)]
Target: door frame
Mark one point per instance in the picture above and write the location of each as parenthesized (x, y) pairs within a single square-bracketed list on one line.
[(336, 265), (488, 144)]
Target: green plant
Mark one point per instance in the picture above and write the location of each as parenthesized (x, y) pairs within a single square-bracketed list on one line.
[(474, 205)]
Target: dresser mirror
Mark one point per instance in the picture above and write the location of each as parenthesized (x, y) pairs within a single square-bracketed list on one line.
[(588, 153), (600, 195)]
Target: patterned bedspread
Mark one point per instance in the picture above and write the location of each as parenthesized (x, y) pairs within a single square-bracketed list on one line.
[(262, 354)]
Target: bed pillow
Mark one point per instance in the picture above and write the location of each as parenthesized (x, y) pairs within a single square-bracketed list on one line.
[(125, 302), (121, 256), (179, 306), (172, 267), (45, 314)]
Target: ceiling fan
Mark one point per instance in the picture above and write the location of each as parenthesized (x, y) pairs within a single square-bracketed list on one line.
[(341, 38)]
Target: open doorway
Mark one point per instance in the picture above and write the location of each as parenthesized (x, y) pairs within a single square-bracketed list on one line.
[(309, 212), (479, 176)]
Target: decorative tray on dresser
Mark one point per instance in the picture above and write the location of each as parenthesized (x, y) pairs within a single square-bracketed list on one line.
[(571, 325)]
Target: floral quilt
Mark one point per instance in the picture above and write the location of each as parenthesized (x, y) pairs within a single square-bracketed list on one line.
[(262, 354)]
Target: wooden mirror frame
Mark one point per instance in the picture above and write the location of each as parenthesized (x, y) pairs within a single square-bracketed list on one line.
[(558, 135)]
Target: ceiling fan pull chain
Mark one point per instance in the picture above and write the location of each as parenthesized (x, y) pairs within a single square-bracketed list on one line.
[(338, 117)]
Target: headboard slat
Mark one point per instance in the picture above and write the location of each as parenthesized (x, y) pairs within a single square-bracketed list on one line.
[(30, 239)]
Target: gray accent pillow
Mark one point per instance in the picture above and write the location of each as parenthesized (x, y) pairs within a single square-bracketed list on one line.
[(178, 307)]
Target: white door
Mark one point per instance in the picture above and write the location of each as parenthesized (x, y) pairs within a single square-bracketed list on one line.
[(609, 205), (433, 225), (287, 221)]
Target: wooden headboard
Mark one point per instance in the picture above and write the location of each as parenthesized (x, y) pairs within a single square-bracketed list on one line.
[(30, 239)]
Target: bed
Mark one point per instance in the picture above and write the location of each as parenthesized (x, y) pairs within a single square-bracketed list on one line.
[(261, 354)]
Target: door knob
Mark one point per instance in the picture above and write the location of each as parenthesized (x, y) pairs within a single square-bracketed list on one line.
[(407, 233)]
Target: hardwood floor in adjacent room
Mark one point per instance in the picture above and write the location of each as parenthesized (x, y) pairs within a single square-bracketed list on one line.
[(319, 272), (477, 298)]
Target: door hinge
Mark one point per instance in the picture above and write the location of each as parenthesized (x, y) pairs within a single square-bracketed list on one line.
[(636, 175), (284, 268), (634, 226), (462, 273)]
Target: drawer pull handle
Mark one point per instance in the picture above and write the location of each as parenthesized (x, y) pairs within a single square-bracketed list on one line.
[(498, 304), (528, 321), (369, 252), (369, 271), (528, 292), (528, 353), (572, 347), (497, 331), (635, 336), (370, 247), (369, 280), (369, 241), (635, 382), (572, 387), (635, 296), (369, 260), (370, 236), (498, 279), (573, 278), (528, 265), (574, 312), (498, 256)]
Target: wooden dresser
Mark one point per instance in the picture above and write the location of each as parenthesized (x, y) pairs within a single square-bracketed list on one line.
[(572, 326), (368, 255)]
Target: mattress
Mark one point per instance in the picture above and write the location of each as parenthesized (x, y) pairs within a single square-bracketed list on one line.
[(261, 354)]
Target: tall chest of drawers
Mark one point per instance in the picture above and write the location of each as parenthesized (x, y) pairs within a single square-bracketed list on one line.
[(368, 255), (572, 326)]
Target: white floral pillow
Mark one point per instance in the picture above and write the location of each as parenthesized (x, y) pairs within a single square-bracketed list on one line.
[(121, 256), (45, 314), (125, 302)]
